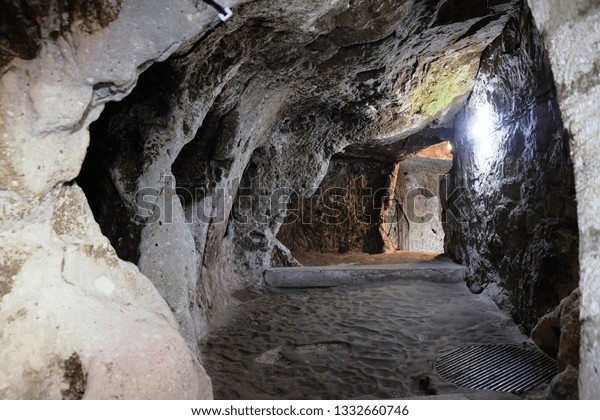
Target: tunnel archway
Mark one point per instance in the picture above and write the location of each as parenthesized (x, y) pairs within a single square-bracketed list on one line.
[(370, 205), (245, 186)]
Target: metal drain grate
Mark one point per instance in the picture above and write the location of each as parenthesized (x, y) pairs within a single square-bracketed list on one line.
[(496, 367)]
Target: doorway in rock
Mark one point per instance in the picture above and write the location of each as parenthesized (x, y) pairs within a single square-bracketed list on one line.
[(374, 209)]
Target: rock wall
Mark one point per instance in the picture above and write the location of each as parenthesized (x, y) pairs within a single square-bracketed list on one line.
[(76, 321), (511, 214), (26, 28), (344, 213), (558, 333), (417, 193), (571, 34), (79, 323), (370, 206)]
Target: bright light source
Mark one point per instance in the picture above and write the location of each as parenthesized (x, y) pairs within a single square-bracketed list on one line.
[(449, 146), (482, 130), (482, 125)]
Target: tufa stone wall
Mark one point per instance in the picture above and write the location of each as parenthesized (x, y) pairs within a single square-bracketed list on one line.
[(571, 34), (25, 26), (75, 320), (370, 206), (344, 213), (245, 112), (417, 194)]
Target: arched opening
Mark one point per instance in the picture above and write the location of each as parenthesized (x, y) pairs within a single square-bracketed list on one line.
[(375, 209)]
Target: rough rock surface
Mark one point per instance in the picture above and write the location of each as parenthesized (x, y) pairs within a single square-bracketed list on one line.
[(571, 34), (257, 109), (344, 213), (441, 150), (439, 271), (369, 206), (77, 321), (25, 28), (558, 332), (418, 194), (565, 385), (512, 214)]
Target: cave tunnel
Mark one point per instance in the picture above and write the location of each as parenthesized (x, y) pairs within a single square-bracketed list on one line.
[(325, 200), (370, 206)]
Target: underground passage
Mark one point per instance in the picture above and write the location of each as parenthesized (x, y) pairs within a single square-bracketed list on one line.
[(255, 200)]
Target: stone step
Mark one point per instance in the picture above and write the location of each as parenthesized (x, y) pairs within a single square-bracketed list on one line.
[(332, 276)]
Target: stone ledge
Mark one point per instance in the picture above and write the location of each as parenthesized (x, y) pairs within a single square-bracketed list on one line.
[(306, 277)]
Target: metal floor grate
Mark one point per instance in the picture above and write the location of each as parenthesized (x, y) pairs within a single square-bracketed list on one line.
[(496, 367)]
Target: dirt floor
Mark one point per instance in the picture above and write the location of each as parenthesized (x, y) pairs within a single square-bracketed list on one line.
[(377, 341), (313, 259)]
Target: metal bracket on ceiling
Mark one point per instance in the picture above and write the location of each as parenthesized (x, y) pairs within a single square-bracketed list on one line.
[(227, 15), (224, 12)]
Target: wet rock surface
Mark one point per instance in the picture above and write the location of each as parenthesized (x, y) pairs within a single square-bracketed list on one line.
[(373, 342)]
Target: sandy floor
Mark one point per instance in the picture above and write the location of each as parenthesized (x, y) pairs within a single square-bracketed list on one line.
[(368, 342), (311, 259)]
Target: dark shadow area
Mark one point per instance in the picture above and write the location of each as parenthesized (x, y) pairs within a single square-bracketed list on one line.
[(115, 158)]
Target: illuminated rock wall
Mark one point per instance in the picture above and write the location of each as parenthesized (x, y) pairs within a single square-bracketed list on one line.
[(512, 216), (418, 193)]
